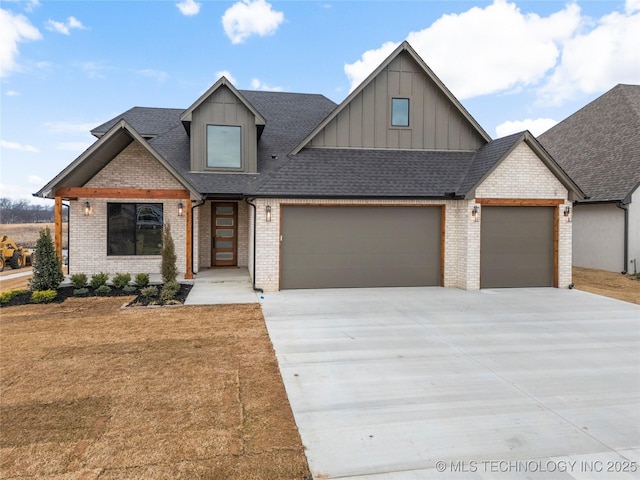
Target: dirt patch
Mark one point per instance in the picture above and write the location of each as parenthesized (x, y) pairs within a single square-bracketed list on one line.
[(608, 284), (26, 234), (91, 390)]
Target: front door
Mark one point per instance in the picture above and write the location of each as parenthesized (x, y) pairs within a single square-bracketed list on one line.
[(224, 229)]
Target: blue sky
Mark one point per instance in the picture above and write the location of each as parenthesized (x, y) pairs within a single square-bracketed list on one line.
[(68, 66)]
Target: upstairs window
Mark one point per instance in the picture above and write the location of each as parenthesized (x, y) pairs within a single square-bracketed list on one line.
[(134, 228), (399, 112), (223, 146)]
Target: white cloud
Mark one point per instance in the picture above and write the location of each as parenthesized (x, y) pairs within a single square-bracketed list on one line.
[(256, 84), (158, 75), (13, 30), (536, 126), (78, 147), (250, 17), (510, 49), (227, 75), (597, 59), (64, 28), (18, 146), (188, 7), (35, 180), (94, 69), (69, 127), (12, 93)]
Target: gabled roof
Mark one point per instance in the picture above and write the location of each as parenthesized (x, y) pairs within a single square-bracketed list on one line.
[(98, 155), (148, 122), (403, 47), (222, 81), (599, 145), (489, 157)]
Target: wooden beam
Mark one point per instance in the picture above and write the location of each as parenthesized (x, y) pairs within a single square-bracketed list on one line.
[(57, 222), (82, 192), (189, 271), (520, 202)]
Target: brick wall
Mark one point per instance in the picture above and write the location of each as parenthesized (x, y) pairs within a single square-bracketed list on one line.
[(134, 167)]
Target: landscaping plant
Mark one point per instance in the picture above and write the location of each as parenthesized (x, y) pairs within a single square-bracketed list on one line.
[(142, 280), (47, 267), (121, 280), (79, 280), (98, 280), (169, 269), (43, 296)]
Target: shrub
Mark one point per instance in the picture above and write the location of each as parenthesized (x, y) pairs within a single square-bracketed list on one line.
[(98, 280), (43, 296), (103, 290), (79, 292), (47, 267), (121, 280), (169, 291), (169, 269), (129, 289), (5, 297), (149, 292), (142, 280), (79, 280)]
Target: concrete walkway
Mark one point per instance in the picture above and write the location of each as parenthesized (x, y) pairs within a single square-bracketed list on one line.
[(419, 383), (222, 286)]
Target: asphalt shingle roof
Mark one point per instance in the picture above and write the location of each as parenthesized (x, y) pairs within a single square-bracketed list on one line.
[(314, 172), (599, 145)]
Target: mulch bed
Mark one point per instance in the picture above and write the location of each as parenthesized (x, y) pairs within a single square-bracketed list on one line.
[(138, 301)]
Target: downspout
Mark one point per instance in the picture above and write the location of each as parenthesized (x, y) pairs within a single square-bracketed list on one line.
[(193, 207), (625, 207), (255, 215)]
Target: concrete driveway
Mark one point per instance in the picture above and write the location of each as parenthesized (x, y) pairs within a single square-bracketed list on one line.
[(408, 383)]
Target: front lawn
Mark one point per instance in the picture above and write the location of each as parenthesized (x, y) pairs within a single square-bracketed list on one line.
[(90, 390)]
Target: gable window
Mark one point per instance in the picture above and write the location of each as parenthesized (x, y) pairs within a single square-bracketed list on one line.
[(134, 228), (400, 112), (223, 146)]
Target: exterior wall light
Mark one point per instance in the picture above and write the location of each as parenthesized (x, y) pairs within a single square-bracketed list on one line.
[(87, 209), (180, 209), (268, 212), (567, 213), (475, 213)]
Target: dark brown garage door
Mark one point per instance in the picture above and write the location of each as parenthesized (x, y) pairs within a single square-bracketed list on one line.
[(516, 247), (336, 247)]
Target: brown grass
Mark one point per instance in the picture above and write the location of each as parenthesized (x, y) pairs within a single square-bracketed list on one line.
[(26, 234), (91, 390), (608, 284)]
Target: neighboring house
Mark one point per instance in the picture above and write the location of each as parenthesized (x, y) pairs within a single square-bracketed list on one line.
[(396, 186), (599, 147)]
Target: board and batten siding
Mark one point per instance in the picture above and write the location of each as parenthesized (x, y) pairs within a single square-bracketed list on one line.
[(223, 108), (434, 121)]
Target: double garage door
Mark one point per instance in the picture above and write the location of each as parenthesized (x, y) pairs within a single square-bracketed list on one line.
[(349, 246), (345, 246)]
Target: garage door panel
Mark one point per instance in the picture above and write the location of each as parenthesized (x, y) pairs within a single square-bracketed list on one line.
[(334, 247), (517, 247)]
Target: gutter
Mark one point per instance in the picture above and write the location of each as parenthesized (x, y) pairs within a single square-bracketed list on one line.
[(255, 216), (625, 207)]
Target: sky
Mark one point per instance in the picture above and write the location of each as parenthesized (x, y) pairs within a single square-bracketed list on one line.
[(69, 66)]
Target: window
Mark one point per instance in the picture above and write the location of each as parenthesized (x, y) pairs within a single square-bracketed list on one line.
[(223, 146), (400, 112), (134, 228)]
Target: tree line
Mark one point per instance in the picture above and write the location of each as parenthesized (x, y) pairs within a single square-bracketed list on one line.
[(23, 211)]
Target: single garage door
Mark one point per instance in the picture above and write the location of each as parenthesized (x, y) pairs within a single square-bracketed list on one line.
[(516, 248), (336, 247)]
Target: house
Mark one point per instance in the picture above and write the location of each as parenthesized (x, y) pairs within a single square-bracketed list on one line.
[(599, 147), (396, 186)]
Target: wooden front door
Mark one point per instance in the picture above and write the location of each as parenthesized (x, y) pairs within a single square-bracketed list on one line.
[(224, 234)]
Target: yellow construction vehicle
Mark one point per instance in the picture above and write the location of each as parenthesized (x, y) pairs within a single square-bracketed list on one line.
[(12, 254)]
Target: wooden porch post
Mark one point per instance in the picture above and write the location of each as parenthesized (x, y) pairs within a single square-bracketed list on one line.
[(57, 219), (189, 271)]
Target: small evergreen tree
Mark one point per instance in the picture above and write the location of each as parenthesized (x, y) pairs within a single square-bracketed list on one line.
[(47, 267), (169, 269)]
